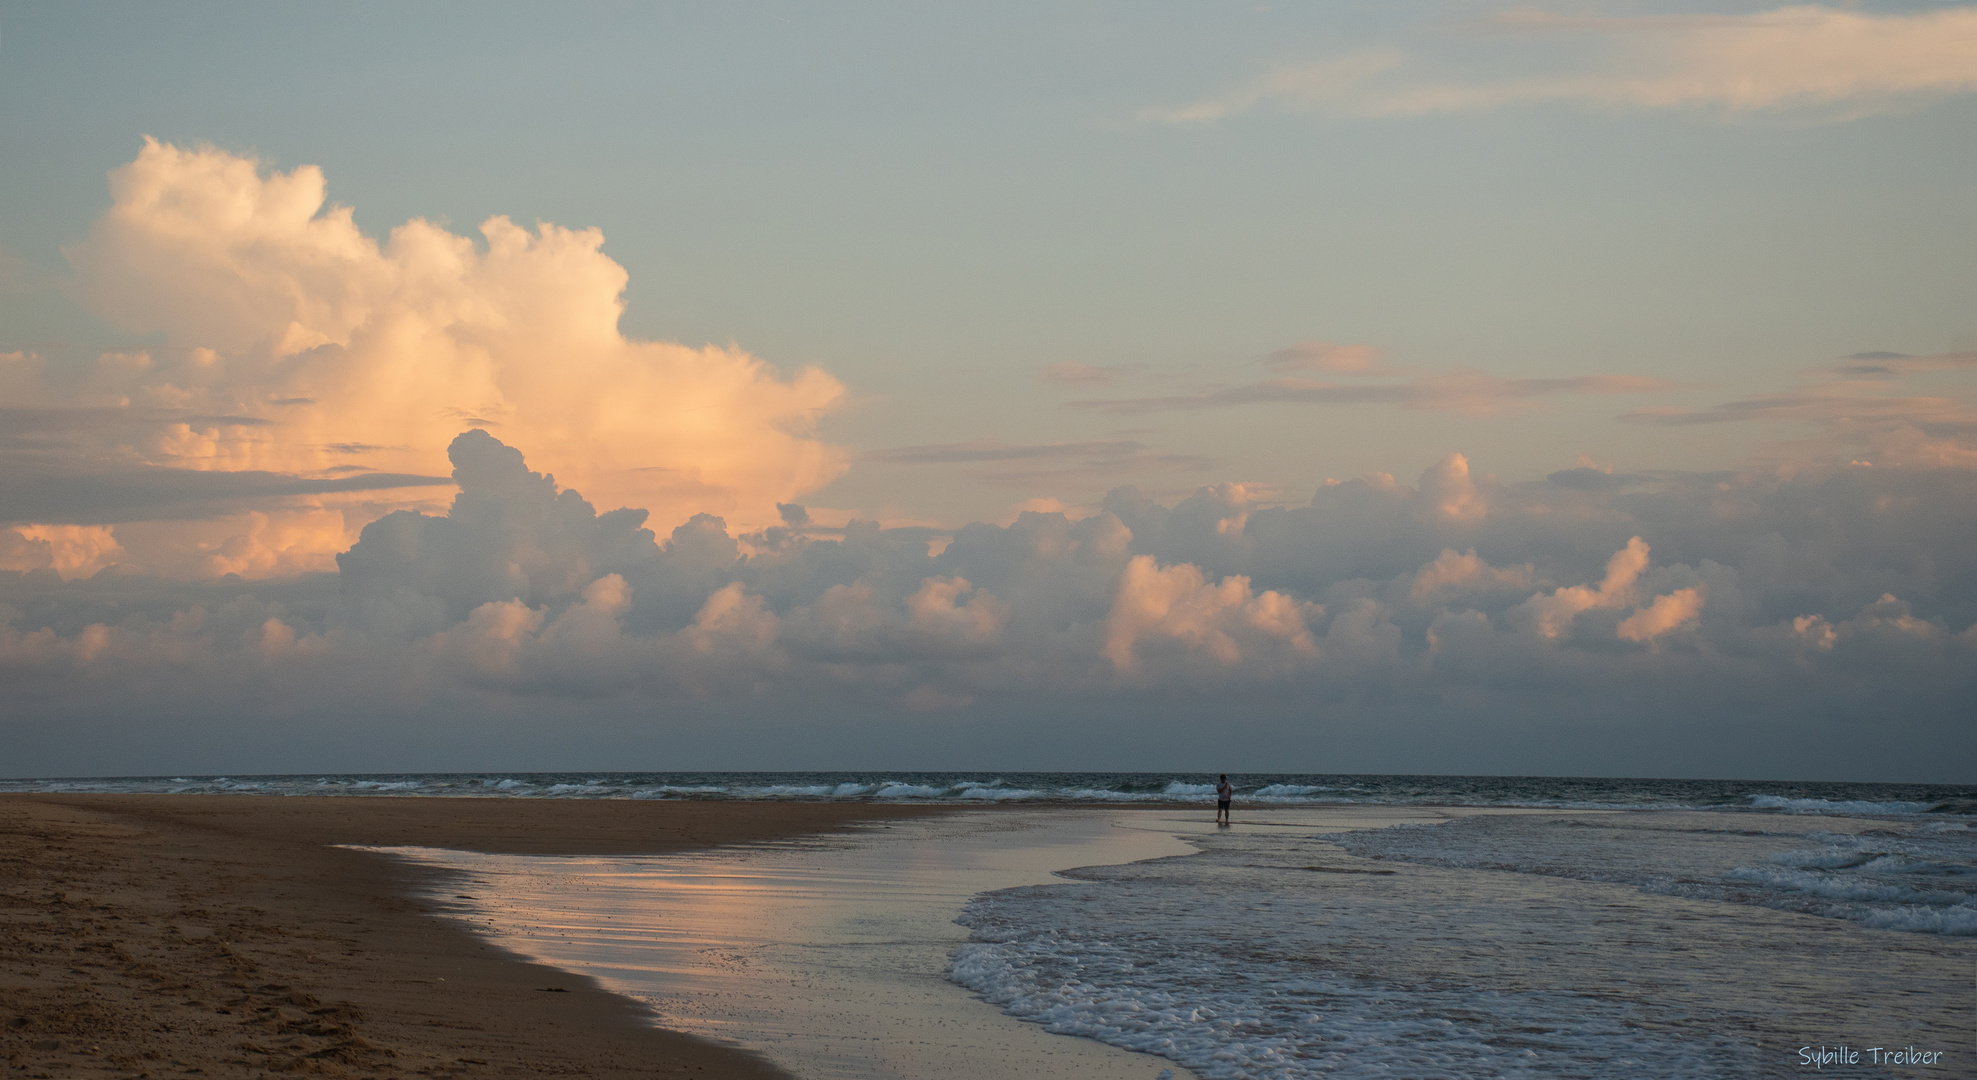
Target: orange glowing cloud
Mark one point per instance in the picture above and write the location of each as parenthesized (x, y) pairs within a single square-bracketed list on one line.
[(298, 345)]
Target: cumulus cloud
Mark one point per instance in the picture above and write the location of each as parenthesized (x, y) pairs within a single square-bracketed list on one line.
[(1177, 603), (1450, 494), (72, 551), (1834, 62), (304, 359), (1666, 614), (1457, 574), (1751, 598), (933, 610), (1552, 615)]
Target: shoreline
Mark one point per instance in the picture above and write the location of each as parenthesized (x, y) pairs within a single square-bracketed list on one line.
[(151, 936)]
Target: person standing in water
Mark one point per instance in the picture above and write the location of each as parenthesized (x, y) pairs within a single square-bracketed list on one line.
[(1225, 792)]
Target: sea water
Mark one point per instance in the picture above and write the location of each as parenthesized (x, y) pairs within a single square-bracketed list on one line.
[(1510, 944), (1097, 789)]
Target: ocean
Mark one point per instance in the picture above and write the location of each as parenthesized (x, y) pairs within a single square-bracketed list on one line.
[(1346, 926), (1581, 793)]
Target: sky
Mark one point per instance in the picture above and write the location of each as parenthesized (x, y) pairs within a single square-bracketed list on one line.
[(1464, 387)]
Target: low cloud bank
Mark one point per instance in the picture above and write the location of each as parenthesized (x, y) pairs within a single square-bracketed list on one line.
[(1855, 587)]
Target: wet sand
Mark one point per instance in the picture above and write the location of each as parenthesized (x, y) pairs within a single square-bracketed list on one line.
[(828, 955), (217, 936)]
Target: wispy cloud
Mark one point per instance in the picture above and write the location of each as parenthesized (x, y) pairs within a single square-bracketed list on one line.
[(1891, 365), (1023, 464), (1475, 393), (1840, 63), (1852, 407), (992, 450), (1327, 357), (33, 489), (1336, 84), (1824, 403), (1073, 373)]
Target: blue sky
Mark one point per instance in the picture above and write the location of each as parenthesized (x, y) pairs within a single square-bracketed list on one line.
[(936, 204), (1028, 254)]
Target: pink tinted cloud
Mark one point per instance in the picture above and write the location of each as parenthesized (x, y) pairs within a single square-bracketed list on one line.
[(1841, 63)]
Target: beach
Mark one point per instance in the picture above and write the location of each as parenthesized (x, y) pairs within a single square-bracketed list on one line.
[(1402, 541), (175, 935), (897, 933)]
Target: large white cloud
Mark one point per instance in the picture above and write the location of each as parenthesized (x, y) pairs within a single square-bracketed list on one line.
[(296, 346)]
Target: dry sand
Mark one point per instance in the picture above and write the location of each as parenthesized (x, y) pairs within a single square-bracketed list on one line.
[(217, 935)]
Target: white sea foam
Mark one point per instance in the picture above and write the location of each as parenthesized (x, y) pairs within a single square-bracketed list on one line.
[(1297, 792), (1080, 794), (1958, 921), (1836, 807), (672, 791), (1837, 887), (998, 794), (776, 791)]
